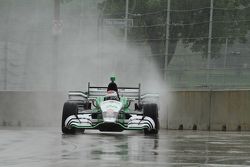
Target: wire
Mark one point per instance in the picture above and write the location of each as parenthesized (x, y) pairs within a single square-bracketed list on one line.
[(242, 8), (185, 24), (144, 26), (181, 38), (172, 24), (189, 10), (185, 10), (198, 54), (165, 10), (145, 14), (236, 21), (238, 36), (144, 40)]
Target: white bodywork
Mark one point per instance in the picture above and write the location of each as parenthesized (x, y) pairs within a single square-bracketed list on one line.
[(110, 110), (135, 121), (138, 121), (81, 120)]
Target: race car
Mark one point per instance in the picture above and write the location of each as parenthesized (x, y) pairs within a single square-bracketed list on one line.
[(109, 112)]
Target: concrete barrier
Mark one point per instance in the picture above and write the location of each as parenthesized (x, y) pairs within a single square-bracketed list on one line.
[(31, 108), (201, 110), (210, 110), (189, 109), (230, 110)]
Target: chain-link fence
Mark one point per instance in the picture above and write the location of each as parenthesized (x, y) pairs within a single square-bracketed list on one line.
[(190, 24), (37, 43)]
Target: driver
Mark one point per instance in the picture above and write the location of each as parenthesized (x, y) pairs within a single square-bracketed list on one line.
[(112, 85)]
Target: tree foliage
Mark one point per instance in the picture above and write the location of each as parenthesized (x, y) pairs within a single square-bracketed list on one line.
[(189, 23)]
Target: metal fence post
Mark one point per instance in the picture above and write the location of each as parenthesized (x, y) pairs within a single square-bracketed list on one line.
[(210, 39), (167, 41)]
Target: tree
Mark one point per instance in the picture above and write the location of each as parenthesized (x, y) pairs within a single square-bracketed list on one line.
[(188, 24)]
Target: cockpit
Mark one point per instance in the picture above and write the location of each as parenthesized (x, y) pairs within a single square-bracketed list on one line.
[(111, 95)]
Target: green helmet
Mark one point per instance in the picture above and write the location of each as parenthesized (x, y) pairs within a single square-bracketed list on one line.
[(112, 78)]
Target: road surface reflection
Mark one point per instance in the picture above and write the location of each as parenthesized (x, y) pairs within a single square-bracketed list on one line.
[(39, 147)]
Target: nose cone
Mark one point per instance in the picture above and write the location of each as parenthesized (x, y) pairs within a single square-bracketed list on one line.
[(110, 110)]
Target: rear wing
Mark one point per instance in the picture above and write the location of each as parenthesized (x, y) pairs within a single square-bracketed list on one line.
[(132, 93)]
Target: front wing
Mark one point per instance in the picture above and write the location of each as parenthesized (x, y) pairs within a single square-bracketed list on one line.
[(85, 121)]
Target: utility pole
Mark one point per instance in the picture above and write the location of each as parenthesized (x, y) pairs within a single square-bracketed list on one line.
[(225, 59), (57, 26), (210, 38), (225, 54), (6, 47), (126, 23), (167, 41), (6, 64)]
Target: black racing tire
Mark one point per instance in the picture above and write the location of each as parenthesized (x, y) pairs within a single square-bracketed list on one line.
[(151, 110), (69, 108)]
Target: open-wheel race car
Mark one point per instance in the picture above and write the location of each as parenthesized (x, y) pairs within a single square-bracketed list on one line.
[(110, 110)]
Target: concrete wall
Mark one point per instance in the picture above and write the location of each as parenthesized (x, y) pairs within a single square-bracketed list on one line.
[(189, 108), (207, 110), (230, 109), (31, 108)]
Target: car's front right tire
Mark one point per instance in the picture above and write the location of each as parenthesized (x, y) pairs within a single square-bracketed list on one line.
[(151, 110)]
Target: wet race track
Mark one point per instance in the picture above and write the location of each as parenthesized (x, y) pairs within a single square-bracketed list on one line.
[(38, 147)]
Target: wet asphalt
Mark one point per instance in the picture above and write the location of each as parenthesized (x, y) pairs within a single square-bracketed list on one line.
[(45, 147)]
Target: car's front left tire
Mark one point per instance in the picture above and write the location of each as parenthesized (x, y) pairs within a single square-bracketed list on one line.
[(69, 109)]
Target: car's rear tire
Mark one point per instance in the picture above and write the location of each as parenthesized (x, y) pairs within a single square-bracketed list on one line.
[(69, 108), (151, 110)]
